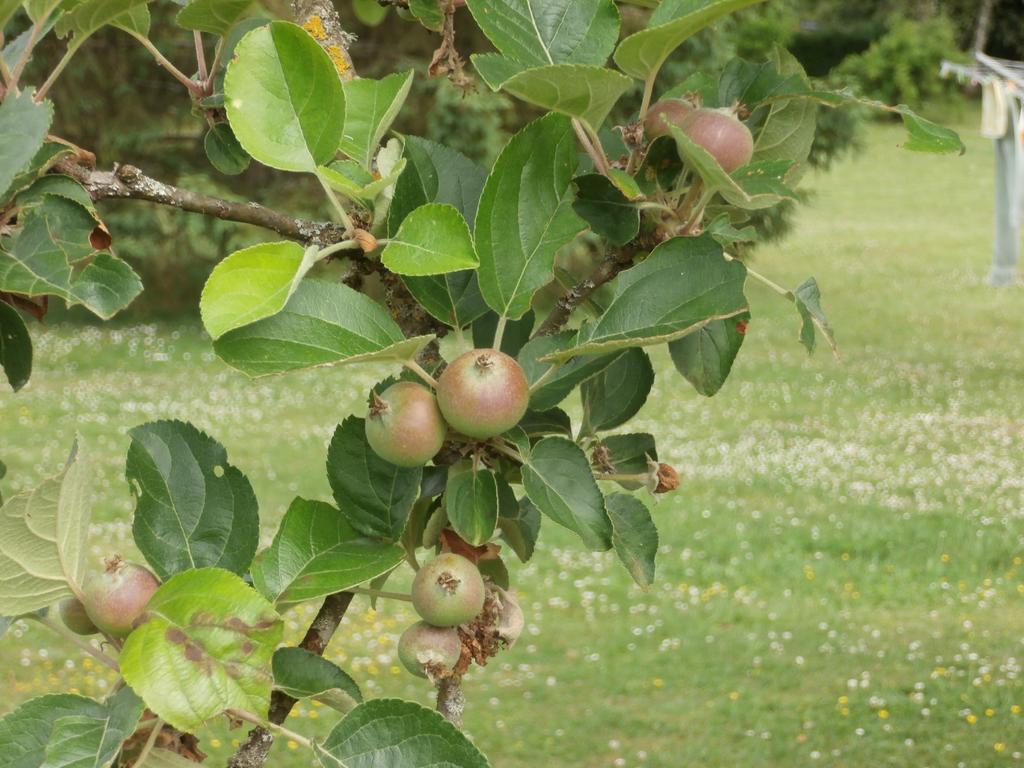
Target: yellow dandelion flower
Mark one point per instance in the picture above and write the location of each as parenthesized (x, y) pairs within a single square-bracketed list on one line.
[(1015, 709), (215, 743), (1018, 561), (658, 682), (883, 713), (395, 670), (845, 556), (734, 695), (944, 557), (292, 744), (844, 699), (845, 711), (972, 719), (999, 746), (989, 712)]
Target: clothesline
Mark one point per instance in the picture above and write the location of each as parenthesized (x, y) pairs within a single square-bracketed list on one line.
[(987, 69)]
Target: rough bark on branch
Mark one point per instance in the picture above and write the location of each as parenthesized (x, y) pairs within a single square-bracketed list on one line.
[(126, 182), (254, 750), (320, 18)]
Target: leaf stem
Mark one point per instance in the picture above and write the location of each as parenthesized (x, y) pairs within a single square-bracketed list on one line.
[(150, 742), (499, 332), (415, 367), (335, 247), (48, 83), (600, 162), (338, 207), (506, 450), (545, 377), (217, 53), (75, 639), (33, 35), (645, 104), (784, 292), (381, 593), (249, 717), (192, 86), (197, 37)]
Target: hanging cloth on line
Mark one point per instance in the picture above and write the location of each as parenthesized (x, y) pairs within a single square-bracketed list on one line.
[(994, 109)]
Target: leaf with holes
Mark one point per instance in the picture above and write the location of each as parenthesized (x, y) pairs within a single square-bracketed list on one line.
[(559, 481), (377, 733), (323, 323), (192, 659), (370, 108), (634, 537), (525, 214), (672, 23), (192, 507), (471, 500), (682, 285), (617, 393), (304, 675), (15, 347), (705, 357), (252, 284), (43, 536), (316, 552), (283, 98), (374, 495), (68, 731), (434, 239)]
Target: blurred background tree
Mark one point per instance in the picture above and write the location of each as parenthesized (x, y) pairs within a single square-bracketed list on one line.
[(885, 49)]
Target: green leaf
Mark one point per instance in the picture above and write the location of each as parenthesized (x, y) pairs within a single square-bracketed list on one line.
[(435, 174), (192, 508), (369, 12), (391, 732), (194, 658), (428, 13), (165, 758), (7, 10), (725, 234), (284, 99), (304, 675), (705, 357), (634, 536), (789, 128), (553, 421), (89, 16), (517, 332), (521, 529), (633, 454), (316, 552), (434, 239), (252, 284), (617, 394), (223, 150), (41, 162), (559, 481), (323, 323), (672, 23), (807, 298), (214, 16), (23, 128), (471, 499), (683, 284), (370, 108), (40, 258), (525, 214), (552, 32), (454, 298), (926, 136), (556, 386), (136, 20), (15, 347), (660, 168), (754, 186), (43, 535), (603, 206), (374, 495), (68, 731), (580, 91)]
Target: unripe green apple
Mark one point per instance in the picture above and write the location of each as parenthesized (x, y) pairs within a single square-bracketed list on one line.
[(664, 113), (483, 393), (405, 425), (723, 136), (423, 646), (116, 597), (448, 591), (73, 614)]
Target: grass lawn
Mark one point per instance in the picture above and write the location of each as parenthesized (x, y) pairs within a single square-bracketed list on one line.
[(840, 575)]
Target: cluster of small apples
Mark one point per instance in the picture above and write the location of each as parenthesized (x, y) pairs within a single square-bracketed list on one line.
[(113, 599), (446, 592), (482, 394), (718, 131)]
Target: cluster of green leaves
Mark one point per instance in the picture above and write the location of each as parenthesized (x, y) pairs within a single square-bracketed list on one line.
[(473, 247)]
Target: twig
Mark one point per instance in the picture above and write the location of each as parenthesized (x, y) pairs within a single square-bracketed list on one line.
[(451, 701), (48, 83), (73, 638), (129, 183), (150, 742), (253, 752), (582, 291)]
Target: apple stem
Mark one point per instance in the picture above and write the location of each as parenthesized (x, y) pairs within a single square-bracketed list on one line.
[(413, 366)]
